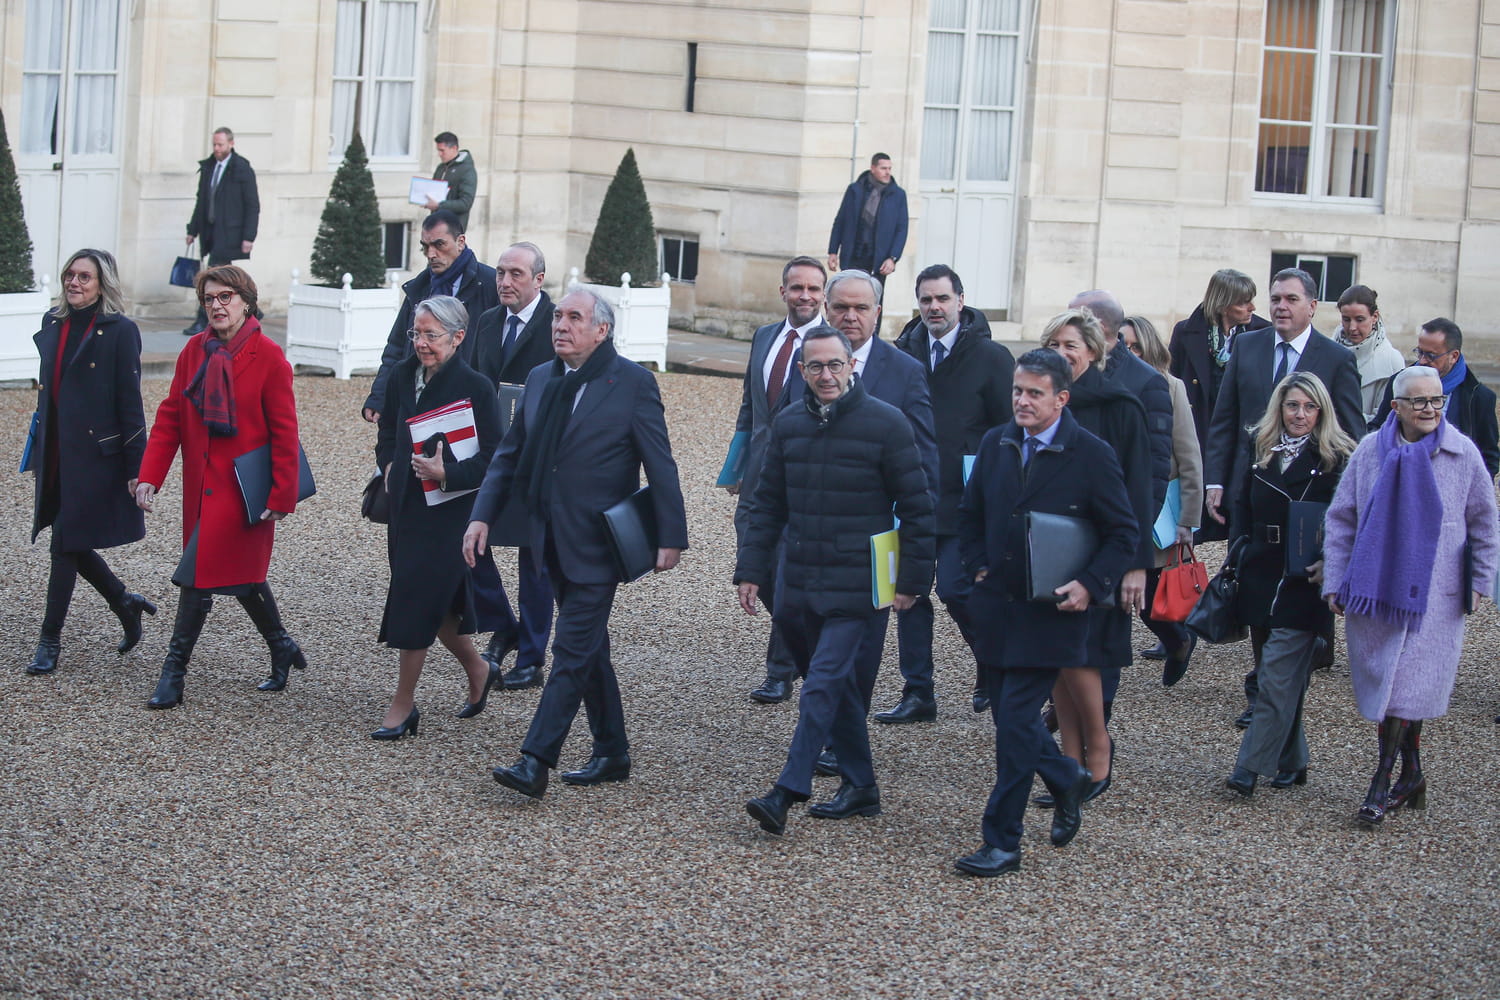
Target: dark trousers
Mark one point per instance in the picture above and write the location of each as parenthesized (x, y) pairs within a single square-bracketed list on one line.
[(914, 626), (534, 596), (582, 673), (1173, 635), (66, 568), (1275, 740), (838, 658), (779, 662), (1022, 748)]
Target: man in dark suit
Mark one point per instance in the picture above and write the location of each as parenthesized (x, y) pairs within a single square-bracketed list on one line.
[(512, 339), (773, 380), (226, 215), (1471, 403), (869, 231), (589, 420), (1041, 461), (838, 463), (969, 377)]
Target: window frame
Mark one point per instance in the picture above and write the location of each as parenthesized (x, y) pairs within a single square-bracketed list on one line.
[(367, 80), (682, 240), (1319, 125)]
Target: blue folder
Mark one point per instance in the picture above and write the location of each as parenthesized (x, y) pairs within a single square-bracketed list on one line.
[(26, 456), (1164, 532), (734, 462)]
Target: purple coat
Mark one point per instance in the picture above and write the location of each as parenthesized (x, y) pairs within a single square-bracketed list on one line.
[(1395, 671)]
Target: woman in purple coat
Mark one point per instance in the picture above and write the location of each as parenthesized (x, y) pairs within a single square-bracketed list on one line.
[(1401, 586)]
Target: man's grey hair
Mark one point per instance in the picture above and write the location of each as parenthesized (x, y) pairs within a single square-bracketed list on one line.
[(450, 313), (1407, 376), (538, 262), (603, 315), (850, 273), (225, 131), (1105, 307), (828, 333)]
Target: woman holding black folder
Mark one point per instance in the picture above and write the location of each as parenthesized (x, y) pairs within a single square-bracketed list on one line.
[(1300, 453), (90, 433), (431, 596), (231, 394)]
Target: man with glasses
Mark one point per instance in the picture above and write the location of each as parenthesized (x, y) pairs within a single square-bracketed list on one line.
[(1470, 403), (837, 463)]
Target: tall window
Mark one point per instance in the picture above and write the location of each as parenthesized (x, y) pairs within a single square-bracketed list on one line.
[(972, 47), (1325, 98), (85, 37), (375, 75)]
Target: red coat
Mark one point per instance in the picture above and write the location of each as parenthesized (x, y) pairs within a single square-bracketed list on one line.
[(230, 551)]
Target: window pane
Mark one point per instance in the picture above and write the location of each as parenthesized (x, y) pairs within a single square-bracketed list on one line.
[(345, 109), (1351, 163), (989, 146), (948, 14), (44, 34), (391, 126), (1283, 159), (994, 70), (348, 38), (1359, 26), (939, 139), (44, 46), (95, 23), (997, 15), (945, 67), (1292, 23), (1287, 90), (689, 260), (92, 123), (396, 40), (1353, 97)]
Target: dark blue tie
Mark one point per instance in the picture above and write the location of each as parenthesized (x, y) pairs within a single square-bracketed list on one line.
[(939, 352), (1028, 452), (1281, 366), (511, 327)]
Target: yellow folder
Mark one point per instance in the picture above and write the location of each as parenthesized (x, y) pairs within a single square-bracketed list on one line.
[(885, 560)]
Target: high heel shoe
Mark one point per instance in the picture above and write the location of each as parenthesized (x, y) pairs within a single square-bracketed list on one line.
[(1286, 779), (469, 709), (396, 732), (129, 609), (1412, 796)]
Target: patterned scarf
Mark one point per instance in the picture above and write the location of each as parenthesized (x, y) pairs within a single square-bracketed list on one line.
[(212, 390), (1290, 448)]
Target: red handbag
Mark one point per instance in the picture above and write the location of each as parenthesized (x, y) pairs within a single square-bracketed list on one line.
[(1183, 581)]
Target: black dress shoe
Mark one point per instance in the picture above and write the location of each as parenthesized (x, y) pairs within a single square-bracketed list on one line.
[(502, 644), (1044, 801), (848, 801), (772, 691), (48, 649), (911, 708), (827, 764), (1176, 665), (981, 700), (1156, 652), (1242, 781), (988, 862), (1098, 788), (1286, 779), (523, 677), (409, 726), (599, 770), (469, 709), (1243, 722), (770, 810), (1067, 817), (527, 775)]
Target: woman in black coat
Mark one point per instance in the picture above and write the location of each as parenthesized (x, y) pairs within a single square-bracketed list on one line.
[(430, 596), (1200, 349), (90, 435), (1112, 413), (1300, 453)]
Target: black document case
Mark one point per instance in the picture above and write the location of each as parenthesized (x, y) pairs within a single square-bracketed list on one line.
[(1304, 535), (253, 469), (631, 525), (1058, 549)]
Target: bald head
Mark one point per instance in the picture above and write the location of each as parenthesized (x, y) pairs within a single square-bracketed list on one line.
[(1106, 309)]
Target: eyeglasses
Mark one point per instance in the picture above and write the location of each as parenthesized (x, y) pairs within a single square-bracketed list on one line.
[(1292, 406), (416, 336), (816, 368), (1424, 402), (222, 298), (1422, 355), (81, 277)]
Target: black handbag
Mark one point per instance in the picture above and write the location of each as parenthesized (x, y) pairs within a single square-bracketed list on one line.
[(1213, 619), (375, 505), (184, 272)]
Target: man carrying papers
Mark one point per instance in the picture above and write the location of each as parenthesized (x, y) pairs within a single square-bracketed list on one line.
[(839, 460)]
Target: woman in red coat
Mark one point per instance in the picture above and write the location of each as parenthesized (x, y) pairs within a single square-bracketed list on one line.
[(231, 394)]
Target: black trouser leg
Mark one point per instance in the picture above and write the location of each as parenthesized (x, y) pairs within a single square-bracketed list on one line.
[(60, 584), (192, 611), (260, 605)]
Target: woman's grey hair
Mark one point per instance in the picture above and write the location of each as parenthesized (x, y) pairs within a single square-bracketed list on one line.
[(852, 272), (111, 296), (1406, 376), (450, 313), (1226, 288), (604, 314), (1087, 325)]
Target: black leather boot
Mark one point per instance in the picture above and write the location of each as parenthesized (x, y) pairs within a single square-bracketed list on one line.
[(1411, 789), (1392, 733), (128, 608), (48, 648), (192, 611), (285, 653)]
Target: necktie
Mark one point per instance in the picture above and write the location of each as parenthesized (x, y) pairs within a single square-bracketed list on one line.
[(1281, 365), (777, 382), (512, 327), (1028, 452), (213, 188), (939, 352)]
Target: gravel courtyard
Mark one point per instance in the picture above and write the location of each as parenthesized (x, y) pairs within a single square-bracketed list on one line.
[(260, 845)]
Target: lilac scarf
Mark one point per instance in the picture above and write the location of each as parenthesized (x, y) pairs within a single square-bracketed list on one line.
[(1390, 572)]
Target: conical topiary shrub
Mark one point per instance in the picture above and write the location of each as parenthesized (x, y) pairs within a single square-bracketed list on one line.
[(349, 233), (15, 242), (625, 237)]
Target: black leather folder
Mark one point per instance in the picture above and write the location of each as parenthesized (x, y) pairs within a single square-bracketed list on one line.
[(631, 525), (1304, 535), (253, 469), (1058, 549), (510, 401)]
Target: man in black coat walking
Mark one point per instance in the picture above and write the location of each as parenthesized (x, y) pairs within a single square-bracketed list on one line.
[(969, 376), (226, 216), (837, 463)]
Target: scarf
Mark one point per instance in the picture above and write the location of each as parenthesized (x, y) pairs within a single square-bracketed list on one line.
[(212, 390), (872, 206), (446, 283), (1375, 358), (1290, 448), (1455, 376), (534, 470), (1390, 571)]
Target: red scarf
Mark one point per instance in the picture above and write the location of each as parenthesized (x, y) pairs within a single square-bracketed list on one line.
[(212, 389)]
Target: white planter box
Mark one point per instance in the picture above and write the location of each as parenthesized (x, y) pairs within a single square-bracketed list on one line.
[(344, 329), (20, 319), (640, 318)]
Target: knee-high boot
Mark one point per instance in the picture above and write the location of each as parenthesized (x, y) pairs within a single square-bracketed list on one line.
[(192, 611), (285, 653), (1411, 790), (1392, 733)]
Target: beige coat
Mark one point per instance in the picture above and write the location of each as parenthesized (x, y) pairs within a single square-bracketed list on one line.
[(1187, 461)]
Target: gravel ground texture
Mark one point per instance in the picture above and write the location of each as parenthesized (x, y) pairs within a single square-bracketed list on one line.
[(260, 845)]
